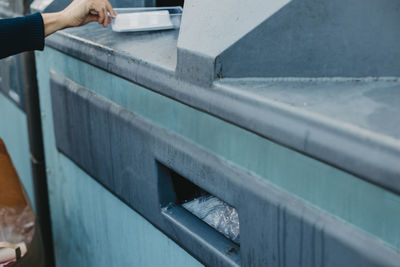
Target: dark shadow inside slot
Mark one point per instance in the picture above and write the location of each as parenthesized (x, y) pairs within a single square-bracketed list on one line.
[(185, 190), (210, 209), (162, 3)]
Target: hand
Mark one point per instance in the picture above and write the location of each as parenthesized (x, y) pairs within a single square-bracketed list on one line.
[(78, 13)]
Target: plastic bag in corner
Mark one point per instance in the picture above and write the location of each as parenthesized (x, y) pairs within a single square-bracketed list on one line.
[(17, 221), (216, 213)]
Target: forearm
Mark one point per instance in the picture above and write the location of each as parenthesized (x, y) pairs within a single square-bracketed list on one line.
[(21, 34), (53, 22), (28, 33)]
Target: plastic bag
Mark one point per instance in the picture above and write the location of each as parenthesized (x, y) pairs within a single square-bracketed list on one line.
[(16, 225), (216, 213), (17, 221)]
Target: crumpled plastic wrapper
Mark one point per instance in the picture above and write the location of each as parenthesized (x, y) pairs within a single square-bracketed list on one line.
[(216, 213), (17, 220), (16, 224), (16, 228)]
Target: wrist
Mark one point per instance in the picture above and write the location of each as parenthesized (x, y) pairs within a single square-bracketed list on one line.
[(64, 22), (53, 22)]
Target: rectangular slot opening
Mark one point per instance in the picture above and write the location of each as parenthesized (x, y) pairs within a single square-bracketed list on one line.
[(162, 3), (210, 209)]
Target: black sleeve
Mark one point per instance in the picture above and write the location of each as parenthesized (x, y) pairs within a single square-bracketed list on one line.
[(21, 34)]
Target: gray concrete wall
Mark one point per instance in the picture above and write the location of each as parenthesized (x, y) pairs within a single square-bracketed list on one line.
[(310, 38)]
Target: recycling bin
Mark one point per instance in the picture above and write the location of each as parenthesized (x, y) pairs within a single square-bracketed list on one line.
[(267, 113), (20, 126)]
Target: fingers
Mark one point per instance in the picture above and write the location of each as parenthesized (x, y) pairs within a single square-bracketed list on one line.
[(91, 18), (103, 10), (105, 15), (101, 16), (110, 9)]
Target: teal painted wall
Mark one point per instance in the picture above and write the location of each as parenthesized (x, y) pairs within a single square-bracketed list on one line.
[(91, 227), (370, 208), (14, 132)]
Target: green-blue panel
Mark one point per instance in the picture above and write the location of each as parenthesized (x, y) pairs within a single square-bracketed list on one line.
[(91, 227), (362, 204), (14, 132)]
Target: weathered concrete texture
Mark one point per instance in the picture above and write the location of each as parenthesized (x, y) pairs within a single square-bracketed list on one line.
[(314, 174), (370, 104), (309, 38), (298, 38), (210, 27), (122, 150), (14, 76), (244, 102), (91, 226)]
